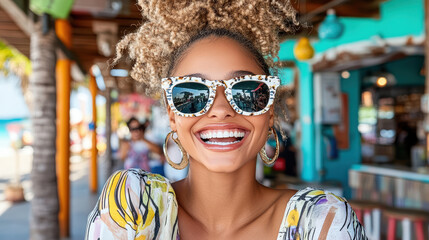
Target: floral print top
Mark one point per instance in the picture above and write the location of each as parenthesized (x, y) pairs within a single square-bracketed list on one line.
[(317, 214), (138, 205)]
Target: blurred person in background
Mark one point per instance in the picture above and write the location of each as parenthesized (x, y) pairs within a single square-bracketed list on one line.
[(135, 153), (156, 160)]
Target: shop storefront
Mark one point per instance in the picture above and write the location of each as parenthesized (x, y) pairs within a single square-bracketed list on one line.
[(391, 121), (378, 66)]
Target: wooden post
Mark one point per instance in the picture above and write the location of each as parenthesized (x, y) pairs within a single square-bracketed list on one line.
[(94, 154), (108, 132), (63, 30)]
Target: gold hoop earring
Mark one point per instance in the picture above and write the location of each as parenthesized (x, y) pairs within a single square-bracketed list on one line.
[(270, 161), (185, 160)]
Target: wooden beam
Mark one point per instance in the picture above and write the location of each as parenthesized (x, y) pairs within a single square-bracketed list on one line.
[(357, 11), (340, 64), (6, 25), (22, 47), (93, 171), (311, 13), (345, 8), (13, 34), (17, 15), (87, 22), (108, 131), (63, 75)]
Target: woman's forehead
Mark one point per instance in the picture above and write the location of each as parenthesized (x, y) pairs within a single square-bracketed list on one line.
[(230, 75), (217, 58), (134, 123)]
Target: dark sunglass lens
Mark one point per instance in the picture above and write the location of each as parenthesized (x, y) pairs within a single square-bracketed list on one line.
[(251, 96), (135, 129), (190, 97)]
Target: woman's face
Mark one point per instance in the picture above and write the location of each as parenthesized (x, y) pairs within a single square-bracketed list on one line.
[(215, 59), (135, 130)]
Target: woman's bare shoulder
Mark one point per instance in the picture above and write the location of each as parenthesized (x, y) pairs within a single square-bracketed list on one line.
[(282, 195), (279, 198)]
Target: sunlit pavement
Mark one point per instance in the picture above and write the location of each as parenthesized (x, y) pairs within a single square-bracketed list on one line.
[(14, 217)]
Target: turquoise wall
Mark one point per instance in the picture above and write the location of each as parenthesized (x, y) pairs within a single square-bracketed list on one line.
[(337, 169), (306, 121), (397, 18)]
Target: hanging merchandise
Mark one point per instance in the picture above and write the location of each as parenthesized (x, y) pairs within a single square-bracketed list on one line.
[(303, 49), (331, 146), (331, 27), (55, 8)]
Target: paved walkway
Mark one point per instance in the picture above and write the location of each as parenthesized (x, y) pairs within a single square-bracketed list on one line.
[(14, 218)]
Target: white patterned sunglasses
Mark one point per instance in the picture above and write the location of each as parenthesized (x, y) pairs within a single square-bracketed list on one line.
[(248, 95)]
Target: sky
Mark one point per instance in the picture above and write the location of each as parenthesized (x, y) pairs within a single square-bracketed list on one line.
[(12, 104)]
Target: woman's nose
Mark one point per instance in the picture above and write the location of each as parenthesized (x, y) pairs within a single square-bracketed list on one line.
[(221, 108)]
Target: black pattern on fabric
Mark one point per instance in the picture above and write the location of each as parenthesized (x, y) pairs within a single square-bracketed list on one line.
[(135, 204)]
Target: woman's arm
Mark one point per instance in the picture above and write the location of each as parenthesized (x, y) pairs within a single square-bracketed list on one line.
[(153, 147), (123, 150)]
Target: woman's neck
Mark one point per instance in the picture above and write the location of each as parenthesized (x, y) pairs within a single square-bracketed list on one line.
[(220, 200)]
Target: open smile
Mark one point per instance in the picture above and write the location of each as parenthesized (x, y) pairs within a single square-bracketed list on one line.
[(222, 138)]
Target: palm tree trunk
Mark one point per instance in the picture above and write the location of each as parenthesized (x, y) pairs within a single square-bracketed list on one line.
[(44, 206)]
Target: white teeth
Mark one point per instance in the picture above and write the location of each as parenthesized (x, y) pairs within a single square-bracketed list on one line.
[(225, 134), (221, 134), (221, 143), (238, 134)]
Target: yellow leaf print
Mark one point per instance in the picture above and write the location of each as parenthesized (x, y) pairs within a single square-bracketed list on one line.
[(339, 198), (316, 192), (116, 183), (141, 237), (149, 218), (293, 217)]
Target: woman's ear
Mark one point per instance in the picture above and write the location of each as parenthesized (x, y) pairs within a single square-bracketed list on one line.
[(170, 114), (172, 119)]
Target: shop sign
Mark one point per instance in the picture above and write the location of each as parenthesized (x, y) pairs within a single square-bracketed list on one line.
[(327, 98)]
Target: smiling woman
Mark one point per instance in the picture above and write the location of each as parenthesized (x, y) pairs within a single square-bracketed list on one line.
[(212, 61)]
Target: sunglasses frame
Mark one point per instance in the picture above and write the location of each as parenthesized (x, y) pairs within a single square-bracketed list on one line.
[(135, 129), (169, 83)]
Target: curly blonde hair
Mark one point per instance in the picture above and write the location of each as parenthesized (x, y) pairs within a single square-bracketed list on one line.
[(168, 26)]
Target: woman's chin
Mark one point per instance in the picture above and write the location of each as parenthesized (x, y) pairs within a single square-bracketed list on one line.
[(222, 164)]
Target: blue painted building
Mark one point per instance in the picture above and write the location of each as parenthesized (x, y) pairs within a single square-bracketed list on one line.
[(400, 22)]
